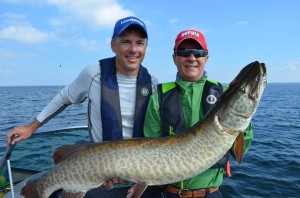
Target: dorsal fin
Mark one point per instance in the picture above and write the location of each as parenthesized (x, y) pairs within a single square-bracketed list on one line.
[(63, 152)]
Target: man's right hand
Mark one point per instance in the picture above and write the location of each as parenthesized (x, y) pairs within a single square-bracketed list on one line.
[(22, 132)]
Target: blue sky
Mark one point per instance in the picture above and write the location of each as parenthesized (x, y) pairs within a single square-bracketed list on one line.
[(39, 36)]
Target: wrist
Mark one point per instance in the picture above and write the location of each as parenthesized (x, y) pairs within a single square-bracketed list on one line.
[(35, 125)]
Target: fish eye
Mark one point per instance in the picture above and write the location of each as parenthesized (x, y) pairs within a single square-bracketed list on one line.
[(242, 90)]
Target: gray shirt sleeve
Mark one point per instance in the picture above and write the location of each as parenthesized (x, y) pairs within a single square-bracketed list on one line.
[(74, 93)]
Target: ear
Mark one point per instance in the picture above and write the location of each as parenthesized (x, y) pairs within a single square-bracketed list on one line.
[(206, 58), (113, 45), (174, 58)]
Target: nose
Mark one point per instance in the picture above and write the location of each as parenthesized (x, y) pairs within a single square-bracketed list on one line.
[(191, 57), (133, 47)]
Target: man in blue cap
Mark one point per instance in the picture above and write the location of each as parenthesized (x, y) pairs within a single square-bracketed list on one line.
[(117, 89)]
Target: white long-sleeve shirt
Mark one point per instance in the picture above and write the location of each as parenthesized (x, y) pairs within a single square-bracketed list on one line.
[(88, 86)]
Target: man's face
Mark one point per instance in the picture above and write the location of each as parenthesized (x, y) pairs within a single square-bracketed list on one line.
[(190, 68), (130, 49)]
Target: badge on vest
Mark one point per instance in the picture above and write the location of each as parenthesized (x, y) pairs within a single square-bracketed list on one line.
[(211, 99), (144, 91)]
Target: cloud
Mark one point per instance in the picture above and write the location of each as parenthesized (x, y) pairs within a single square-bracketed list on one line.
[(72, 16), (90, 45), (11, 1), (241, 23), (293, 66), (173, 21), (20, 2), (96, 13), (103, 13), (5, 71), (12, 17), (26, 34), (6, 54)]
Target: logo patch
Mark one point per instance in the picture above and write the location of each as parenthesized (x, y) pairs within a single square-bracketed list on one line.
[(144, 91), (211, 99)]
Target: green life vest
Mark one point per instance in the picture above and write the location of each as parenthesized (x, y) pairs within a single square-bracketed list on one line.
[(171, 112)]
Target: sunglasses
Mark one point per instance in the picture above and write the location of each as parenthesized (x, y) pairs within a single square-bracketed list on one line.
[(186, 52)]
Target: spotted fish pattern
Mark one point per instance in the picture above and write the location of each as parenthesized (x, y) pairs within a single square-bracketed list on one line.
[(157, 161)]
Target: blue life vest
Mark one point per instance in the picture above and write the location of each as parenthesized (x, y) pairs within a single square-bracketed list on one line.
[(171, 113), (110, 101)]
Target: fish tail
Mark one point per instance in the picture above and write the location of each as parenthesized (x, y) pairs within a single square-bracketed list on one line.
[(227, 169), (30, 190)]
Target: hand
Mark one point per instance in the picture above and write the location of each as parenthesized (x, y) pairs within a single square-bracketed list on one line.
[(108, 184), (23, 132)]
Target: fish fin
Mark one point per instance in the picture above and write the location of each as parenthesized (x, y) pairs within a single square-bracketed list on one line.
[(239, 147), (227, 169), (64, 152), (30, 190), (136, 190), (72, 194)]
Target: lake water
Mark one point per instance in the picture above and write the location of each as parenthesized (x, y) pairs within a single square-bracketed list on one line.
[(271, 168)]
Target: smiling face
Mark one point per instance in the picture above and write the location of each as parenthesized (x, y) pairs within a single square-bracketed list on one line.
[(130, 49), (190, 68)]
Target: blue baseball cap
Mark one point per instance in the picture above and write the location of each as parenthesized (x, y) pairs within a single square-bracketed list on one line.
[(122, 24)]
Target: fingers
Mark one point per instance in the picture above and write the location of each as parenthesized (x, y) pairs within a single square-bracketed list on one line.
[(16, 139), (108, 184), (13, 138), (115, 181), (9, 137), (16, 135)]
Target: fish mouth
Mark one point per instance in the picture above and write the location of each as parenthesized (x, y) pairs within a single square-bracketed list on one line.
[(260, 81), (241, 99), (239, 114)]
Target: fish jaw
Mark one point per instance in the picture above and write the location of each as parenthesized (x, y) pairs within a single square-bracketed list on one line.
[(242, 98)]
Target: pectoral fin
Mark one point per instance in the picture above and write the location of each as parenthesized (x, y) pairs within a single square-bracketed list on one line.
[(136, 190), (239, 147)]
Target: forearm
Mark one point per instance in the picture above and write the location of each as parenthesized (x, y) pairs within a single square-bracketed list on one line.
[(56, 105)]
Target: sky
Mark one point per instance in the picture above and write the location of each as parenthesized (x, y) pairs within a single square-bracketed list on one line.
[(48, 42)]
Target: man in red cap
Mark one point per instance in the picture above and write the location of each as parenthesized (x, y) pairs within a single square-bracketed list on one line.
[(181, 104)]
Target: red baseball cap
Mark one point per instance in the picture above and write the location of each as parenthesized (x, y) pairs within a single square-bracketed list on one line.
[(191, 34)]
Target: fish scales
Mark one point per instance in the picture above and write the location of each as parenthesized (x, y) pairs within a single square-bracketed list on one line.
[(157, 161)]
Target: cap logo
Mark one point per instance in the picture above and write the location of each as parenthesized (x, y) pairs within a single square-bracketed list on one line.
[(132, 19), (190, 33)]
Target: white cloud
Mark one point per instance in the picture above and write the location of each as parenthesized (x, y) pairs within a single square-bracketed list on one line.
[(103, 13), (13, 16), (72, 16), (96, 13), (173, 21), (11, 1), (241, 22), (6, 54), (26, 34), (90, 45), (5, 71), (293, 66)]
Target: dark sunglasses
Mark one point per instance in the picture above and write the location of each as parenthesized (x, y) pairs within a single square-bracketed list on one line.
[(186, 52)]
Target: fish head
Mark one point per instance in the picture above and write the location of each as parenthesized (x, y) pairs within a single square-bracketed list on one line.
[(239, 102)]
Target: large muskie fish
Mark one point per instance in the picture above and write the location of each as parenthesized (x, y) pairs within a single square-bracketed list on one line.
[(157, 161)]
